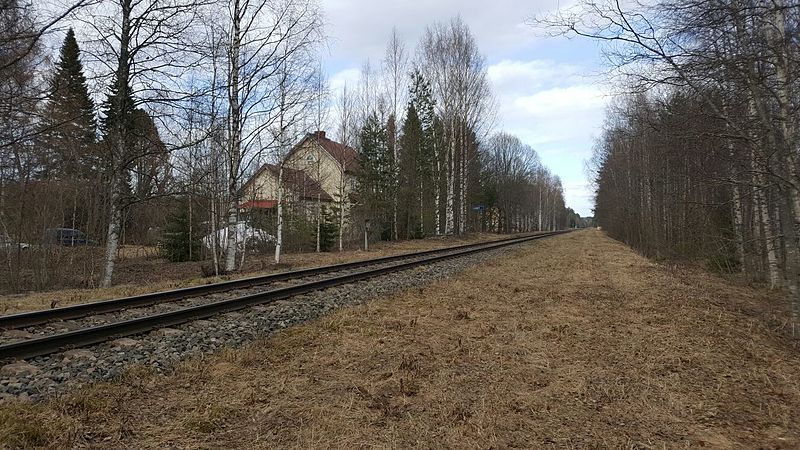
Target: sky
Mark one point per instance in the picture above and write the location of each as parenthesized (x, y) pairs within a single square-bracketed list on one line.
[(548, 90)]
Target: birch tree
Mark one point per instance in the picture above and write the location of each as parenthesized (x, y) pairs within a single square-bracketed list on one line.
[(395, 66), (143, 47), (346, 111), (263, 37), (297, 92), (451, 62)]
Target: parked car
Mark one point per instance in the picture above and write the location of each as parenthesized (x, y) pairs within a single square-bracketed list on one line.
[(8, 243), (68, 237)]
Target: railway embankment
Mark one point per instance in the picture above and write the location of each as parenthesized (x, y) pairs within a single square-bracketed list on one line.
[(71, 347), (571, 341)]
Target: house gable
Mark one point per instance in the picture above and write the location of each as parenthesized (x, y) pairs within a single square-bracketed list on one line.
[(316, 167), (334, 165)]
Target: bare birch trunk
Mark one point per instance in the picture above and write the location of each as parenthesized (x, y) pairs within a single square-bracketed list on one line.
[(279, 231), (450, 206), (341, 228), (234, 136), (341, 208), (765, 220), (738, 225), (118, 168), (738, 221), (230, 250), (112, 236), (539, 227), (244, 251), (214, 231), (319, 220), (437, 188), (462, 204)]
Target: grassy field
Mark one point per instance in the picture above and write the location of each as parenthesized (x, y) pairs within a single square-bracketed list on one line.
[(574, 341)]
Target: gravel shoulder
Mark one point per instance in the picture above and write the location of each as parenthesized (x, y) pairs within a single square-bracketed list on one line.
[(572, 341)]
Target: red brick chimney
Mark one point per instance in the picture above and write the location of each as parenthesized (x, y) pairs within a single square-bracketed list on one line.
[(320, 134)]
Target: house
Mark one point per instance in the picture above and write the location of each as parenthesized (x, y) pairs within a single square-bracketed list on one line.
[(261, 190), (317, 169), (333, 164)]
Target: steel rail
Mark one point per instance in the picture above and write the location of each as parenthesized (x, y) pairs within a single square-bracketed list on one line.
[(27, 319), (94, 335)]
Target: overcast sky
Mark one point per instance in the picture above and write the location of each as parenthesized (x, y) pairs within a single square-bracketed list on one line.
[(548, 91)]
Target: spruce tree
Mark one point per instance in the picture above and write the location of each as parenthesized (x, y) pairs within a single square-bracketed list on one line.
[(329, 230), (375, 176), (119, 113), (418, 169), (150, 165), (178, 243), (410, 173), (70, 117), (121, 127)]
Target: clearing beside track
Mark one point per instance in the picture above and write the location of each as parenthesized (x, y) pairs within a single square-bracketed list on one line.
[(572, 341)]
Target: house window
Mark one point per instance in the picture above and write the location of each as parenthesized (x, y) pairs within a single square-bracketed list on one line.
[(310, 158)]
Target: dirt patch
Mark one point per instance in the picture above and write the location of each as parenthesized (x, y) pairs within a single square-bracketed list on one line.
[(574, 341), (140, 275)]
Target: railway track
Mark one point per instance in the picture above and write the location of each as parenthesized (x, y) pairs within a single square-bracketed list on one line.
[(93, 323)]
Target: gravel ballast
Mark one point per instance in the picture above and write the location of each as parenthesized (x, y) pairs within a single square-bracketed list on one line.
[(161, 349)]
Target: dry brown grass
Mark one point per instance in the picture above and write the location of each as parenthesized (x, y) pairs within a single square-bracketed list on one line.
[(129, 251), (147, 275), (574, 341)]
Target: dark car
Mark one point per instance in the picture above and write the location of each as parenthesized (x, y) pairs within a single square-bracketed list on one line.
[(68, 237)]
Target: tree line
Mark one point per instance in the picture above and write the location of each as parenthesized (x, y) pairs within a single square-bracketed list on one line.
[(146, 131), (433, 166), (700, 158)]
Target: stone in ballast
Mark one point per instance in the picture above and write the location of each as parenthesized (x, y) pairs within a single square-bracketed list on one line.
[(124, 342), (17, 369)]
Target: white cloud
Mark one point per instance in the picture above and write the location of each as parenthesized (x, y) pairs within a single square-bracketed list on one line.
[(555, 108), (579, 197), (360, 28), (344, 77), (562, 101), (559, 115), (548, 103), (511, 76)]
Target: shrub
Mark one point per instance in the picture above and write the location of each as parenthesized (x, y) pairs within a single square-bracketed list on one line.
[(180, 242)]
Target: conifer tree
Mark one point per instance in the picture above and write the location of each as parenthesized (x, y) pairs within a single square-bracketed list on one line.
[(118, 110), (411, 174), (418, 165), (69, 139), (179, 243), (120, 130), (150, 158), (375, 177), (329, 229)]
